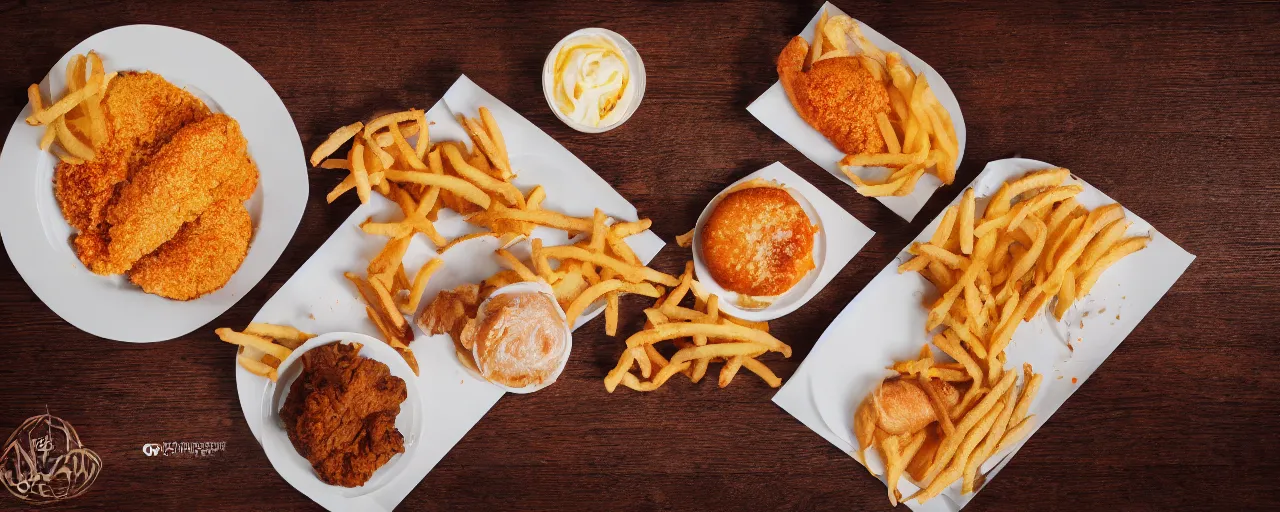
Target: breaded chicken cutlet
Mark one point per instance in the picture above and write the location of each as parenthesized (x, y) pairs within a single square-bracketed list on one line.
[(201, 257), (837, 96), (758, 241), (163, 197), (172, 188), (143, 111)]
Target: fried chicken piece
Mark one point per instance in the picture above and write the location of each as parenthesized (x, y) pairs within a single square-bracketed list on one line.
[(171, 189), (241, 183), (758, 241), (201, 258), (450, 310), (837, 96), (340, 414), (143, 111)]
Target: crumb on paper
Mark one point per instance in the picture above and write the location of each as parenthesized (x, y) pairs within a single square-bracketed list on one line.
[(1103, 310), (1123, 297), (1117, 316), (1059, 377), (311, 316), (1074, 380)]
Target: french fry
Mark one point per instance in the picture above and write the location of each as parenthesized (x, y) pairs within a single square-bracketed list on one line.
[(383, 121), (629, 272), (883, 159), (596, 291), (487, 146), (951, 443), (598, 230), (70, 142), (1015, 434), (507, 191), (939, 408), (1030, 384), (283, 334), (615, 375), (359, 172), (335, 141), (510, 261), (956, 469), (420, 284), (758, 368), (728, 331), (943, 256), (499, 142), (259, 343), (1120, 250), (897, 461), (729, 370), (685, 240), (33, 97), (257, 367), (1000, 201), (540, 217), (388, 334), (611, 314), (459, 186), (407, 152), (965, 221), (886, 131), (68, 102)]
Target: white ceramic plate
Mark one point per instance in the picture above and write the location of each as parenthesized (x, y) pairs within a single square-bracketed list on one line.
[(774, 110), (294, 467), (37, 237)]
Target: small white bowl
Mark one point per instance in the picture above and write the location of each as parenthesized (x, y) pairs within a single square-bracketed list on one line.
[(521, 287), (293, 466), (783, 304), (634, 64)]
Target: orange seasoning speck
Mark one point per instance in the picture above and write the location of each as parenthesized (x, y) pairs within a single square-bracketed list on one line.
[(1073, 380)]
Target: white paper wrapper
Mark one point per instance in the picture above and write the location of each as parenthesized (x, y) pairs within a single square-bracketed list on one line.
[(839, 238), (319, 299), (774, 110), (885, 324)]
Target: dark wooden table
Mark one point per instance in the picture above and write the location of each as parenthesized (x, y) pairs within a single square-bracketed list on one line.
[(1170, 110)]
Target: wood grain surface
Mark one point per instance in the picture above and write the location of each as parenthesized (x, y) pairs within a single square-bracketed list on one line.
[(1171, 110)]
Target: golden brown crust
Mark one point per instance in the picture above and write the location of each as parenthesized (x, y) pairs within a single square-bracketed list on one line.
[(143, 111), (201, 258), (758, 241), (901, 407), (171, 189), (837, 96), (520, 339)]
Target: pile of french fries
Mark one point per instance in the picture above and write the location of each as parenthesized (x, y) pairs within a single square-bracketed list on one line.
[(422, 178), (1033, 243), (702, 334), (919, 134), (264, 346), (76, 122)]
